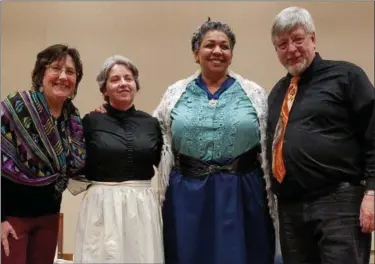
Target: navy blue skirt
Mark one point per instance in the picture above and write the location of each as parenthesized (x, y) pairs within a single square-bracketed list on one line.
[(218, 219)]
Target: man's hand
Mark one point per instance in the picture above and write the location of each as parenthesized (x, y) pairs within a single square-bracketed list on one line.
[(366, 216)]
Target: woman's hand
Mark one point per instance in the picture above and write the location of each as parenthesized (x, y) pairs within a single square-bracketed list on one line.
[(101, 109), (7, 229)]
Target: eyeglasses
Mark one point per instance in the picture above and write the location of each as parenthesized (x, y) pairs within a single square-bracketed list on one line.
[(296, 41), (57, 70)]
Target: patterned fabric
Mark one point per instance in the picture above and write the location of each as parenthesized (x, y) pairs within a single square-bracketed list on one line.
[(278, 166), (35, 151), (258, 98), (214, 132)]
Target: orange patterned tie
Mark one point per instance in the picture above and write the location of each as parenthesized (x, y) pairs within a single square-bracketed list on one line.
[(278, 167)]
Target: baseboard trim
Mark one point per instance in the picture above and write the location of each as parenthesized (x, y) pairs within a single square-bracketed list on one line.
[(67, 256)]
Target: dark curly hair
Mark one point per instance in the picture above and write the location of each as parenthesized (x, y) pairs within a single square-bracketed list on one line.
[(207, 26), (51, 54)]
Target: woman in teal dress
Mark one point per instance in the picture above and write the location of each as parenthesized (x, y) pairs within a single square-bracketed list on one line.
[(213, 178)]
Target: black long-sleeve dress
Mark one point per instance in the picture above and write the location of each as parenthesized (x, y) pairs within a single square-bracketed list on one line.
[(119, 219), (121, 145)]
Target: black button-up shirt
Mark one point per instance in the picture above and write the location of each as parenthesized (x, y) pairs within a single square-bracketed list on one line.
[(121, 145), (330, 136)]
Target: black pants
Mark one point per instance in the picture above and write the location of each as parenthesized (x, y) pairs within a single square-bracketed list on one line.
[(325, 230)]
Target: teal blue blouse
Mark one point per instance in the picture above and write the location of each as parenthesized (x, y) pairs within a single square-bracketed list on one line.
[(214, 127)]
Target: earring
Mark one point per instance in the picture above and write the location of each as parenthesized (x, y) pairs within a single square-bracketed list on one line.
[(41, 89), (71, 96)]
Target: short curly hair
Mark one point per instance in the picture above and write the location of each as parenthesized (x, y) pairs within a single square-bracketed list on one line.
[(207, 26)]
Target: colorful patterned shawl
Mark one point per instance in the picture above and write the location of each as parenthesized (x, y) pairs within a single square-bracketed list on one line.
[(33, 151)]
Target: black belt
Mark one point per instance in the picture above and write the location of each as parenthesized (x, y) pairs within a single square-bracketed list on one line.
[(194, 167)]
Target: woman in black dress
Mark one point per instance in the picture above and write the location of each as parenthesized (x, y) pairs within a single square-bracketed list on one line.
[(119, 220)]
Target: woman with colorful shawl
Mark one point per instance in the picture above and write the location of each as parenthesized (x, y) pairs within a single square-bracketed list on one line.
[(42, 146)]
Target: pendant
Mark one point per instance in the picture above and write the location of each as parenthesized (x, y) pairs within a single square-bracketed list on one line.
[(213, 102)]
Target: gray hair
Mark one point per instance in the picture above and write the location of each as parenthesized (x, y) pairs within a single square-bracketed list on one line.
[(107, 66), (292, 17), (207, 26)]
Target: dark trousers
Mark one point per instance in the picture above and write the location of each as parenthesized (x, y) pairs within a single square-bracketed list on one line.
[(325, 230), (37, 240)]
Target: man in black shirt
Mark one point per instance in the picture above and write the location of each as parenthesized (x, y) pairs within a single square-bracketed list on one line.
[(321, 148)]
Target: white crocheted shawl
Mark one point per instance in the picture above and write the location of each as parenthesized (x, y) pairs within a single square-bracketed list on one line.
[(257, 96)]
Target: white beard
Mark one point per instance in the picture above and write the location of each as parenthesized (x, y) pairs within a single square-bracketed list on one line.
[(298, 68)]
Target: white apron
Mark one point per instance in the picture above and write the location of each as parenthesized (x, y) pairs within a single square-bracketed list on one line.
[(119, 223)]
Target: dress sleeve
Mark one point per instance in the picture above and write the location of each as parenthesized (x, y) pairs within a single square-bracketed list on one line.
[(87, 136), (7, 137), (362, 99), (166, 162), (159, 144)]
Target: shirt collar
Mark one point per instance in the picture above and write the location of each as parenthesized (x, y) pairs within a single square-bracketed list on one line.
[(119, 113)]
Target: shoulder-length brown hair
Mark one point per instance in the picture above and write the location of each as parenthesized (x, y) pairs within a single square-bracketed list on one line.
[(51, 54)]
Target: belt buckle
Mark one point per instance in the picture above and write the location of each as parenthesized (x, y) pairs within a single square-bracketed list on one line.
[(213, 168)]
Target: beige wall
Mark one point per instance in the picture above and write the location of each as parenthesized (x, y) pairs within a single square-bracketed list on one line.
[(156, 37)]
